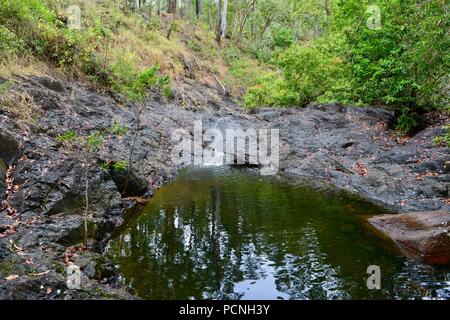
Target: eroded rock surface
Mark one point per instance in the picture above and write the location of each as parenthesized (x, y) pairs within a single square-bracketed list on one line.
[(350, 147), (424, 236)]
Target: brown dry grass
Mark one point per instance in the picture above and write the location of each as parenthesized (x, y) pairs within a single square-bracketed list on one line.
[(12, 65), (19, 103)]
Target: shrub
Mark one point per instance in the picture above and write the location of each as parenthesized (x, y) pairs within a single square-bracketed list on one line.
[(10, 43), (271, 90), (406, 122), (283, 38), (308, 73)]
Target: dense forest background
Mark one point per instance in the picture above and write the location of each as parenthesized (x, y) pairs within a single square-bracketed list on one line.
[(277, 53)]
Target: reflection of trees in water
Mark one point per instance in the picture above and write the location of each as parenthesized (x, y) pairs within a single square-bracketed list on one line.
[(194, 250), (309, 276), (200, 238)]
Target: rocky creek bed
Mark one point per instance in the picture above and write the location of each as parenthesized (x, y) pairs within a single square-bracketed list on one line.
[(42, 187)]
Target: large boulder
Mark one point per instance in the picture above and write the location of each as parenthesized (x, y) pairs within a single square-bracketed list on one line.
[(423, 236)]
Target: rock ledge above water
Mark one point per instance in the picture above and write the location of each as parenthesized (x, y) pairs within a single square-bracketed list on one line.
[(423, 236)]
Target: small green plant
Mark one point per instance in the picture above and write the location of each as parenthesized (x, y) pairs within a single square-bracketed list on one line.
[(95, 140), (406, 122), (134, 85), (105, 166), (119, 166), (69, 136), (445, 138), (118, 129)]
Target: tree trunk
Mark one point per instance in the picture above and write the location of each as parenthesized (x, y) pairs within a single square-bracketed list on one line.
[(198, 8), (172, 6), (245, 17), (222, 19), (328, 12), (159, 7), (171, 27), (184, 8)]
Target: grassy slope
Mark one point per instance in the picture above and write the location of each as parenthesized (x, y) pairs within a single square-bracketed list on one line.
[(124, 43)]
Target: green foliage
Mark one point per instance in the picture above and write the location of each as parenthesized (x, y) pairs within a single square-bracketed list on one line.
[(95, 140), (119, 166), (33, 27), (445, 138), (105, 166), (69, 136), (5, 87), (134, 84), (244, 70), (283, 38), (309, 72), (403, 64), (406, 122), (321, 51), (118, 129), (271, 90), (10, 43)]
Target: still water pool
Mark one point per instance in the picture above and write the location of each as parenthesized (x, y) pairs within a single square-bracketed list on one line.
[(223, 233)]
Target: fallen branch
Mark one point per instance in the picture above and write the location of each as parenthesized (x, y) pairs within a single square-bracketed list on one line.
[(225, 91)]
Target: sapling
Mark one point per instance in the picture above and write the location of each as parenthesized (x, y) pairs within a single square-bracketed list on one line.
[(85, 148)]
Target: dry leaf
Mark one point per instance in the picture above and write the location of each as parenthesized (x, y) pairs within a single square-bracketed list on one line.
[(49, 290), (41, 273), (11, 277)]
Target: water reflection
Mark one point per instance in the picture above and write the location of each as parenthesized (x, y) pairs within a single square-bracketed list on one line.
[(222, 234)]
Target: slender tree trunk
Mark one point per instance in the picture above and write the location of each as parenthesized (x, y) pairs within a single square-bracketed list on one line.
[(172, 6), (130, 155), (159, 7), (328, 12), (198, 8), (171, 27), (219, 21), (245, 17), (184, 8), (86, 209), (222, 19)]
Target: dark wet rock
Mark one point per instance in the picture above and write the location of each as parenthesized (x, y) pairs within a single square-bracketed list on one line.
[(48, 286), (423, 236), (4, 251), (128, 183), (95, 266), (5, 222), (52, 84), (9, 147)]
